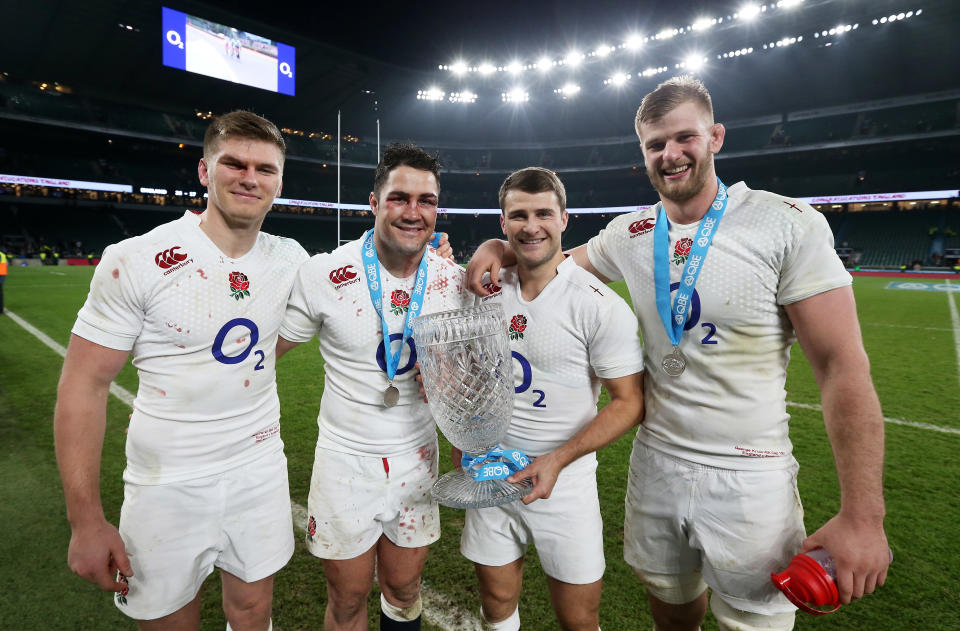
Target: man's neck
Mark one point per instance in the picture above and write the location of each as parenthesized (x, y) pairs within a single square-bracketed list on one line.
[(399, 265), (534, 279), (233, 241), (693, 209)]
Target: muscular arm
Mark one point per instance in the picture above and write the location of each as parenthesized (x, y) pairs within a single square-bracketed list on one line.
[(496, 253), (624, 411), (284, 345), (829, 333), (96, 550)]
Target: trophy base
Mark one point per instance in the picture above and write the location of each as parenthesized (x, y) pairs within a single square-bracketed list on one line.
[(458, 490)]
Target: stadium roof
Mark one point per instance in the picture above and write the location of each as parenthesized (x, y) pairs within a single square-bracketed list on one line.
[(351, 54)]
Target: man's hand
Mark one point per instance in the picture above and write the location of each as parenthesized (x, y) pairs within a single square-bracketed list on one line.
[(96, 553), (544, 472), (489, 257), (444, 248), (860, 551), (457, 457)]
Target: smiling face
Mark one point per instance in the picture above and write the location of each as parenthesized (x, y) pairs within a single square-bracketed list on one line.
[(678, 151), (242, 176), (533, 223), (406, 212)]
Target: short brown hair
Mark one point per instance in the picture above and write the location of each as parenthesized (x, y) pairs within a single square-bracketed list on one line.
[(668, 95), (534, 180), (241, 124), (404, 154)]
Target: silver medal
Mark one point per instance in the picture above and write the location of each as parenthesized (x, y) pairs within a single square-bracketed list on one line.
[(674, 363), (390, 396)]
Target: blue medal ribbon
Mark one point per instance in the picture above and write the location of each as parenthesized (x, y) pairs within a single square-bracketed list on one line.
[(674, 316), (371, 267), (496, 464)]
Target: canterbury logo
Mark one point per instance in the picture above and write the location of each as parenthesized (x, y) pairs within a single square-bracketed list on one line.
[(169, 258), (342, 274), (645, 225)]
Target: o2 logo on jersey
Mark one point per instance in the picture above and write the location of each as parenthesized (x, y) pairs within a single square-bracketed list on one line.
[(527, 380), (695, 317), (642, 227), (381, 354), (254, 335)]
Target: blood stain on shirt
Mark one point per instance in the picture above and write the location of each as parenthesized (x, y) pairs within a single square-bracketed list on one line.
[(241, 340), (246, 383), (359, 311), (115, 273), (202, 274), (180, 346), (163, 393)]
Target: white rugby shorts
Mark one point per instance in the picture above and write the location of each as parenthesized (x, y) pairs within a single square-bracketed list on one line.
[(566, 529), (239, 521), (735, 527), (354, 499)]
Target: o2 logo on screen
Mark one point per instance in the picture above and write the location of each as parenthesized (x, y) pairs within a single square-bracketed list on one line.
[(527, 380), (695, 316), (254, 337), (381, 354)]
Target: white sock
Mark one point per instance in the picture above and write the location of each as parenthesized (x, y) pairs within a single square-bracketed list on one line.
[(405, 614), (270, 628), (510, 624)]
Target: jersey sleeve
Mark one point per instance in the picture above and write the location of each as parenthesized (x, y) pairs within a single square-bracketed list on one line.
[(615, 349), (811, 265), (113, 313), (602, 251), (302, 318)]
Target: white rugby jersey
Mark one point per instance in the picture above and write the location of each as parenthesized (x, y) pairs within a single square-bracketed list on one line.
[(330, 299), (574, 333), (728, 408), (203, 331)]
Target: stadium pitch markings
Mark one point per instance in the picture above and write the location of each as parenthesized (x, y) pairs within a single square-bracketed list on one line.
[(888, 419), (439, 610), (955, 320)]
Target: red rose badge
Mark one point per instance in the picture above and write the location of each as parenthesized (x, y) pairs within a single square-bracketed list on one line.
[(399, 301), (239, 285), (681, 251), (121, 596), (311, 528), (518, 324)]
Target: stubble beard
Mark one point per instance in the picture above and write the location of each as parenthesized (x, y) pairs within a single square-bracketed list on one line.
[(683, 192)]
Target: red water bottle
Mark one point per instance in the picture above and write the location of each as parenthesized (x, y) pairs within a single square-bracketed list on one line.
[(810, 581)]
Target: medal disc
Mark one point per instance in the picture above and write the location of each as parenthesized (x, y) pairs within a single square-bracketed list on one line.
[(674, 364), (390, 396)]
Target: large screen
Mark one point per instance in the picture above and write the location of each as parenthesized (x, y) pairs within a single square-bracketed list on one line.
[(197, 45)]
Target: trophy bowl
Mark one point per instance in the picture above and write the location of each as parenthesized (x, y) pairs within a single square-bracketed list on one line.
[(467, 371)]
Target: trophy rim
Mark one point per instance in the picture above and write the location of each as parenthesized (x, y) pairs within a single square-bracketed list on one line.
[(450, 314)]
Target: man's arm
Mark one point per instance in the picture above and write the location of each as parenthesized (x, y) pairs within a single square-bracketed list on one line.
[(96, 551), (624, 411), (496, 253), (284, 345), (828, 331)]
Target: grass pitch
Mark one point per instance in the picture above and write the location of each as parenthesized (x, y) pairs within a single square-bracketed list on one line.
[(909, 336)]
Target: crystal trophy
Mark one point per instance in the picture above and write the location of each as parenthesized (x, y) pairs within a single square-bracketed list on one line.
[(467, 371)]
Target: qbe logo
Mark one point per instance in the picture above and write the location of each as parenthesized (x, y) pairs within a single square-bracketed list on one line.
[(168, 258), (642, 227), (343, 276)]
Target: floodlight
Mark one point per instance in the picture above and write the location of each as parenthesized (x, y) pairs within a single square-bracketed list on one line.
[(788, 4), (749, 12), (573, 58), (431, 94), (618, 79), (602, 50), (694, 62), (458, 67), (703, 24), (514, 67), (543, 65), (515, 95), (568, 89), (667, 33), (487, 68), (634, 41)]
